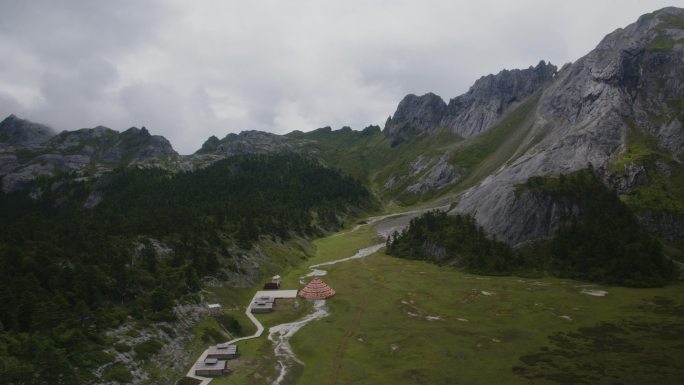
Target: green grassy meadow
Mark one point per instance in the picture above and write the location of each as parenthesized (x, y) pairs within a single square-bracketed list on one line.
[(409, 322)]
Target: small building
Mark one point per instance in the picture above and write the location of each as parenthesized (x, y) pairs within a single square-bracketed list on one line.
[(265, 299), (274, 284), (262, 307), (211, 367), (214, 309), (222, 352), (316, 289)]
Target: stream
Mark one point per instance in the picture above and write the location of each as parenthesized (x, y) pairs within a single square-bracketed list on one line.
[(280, 334)]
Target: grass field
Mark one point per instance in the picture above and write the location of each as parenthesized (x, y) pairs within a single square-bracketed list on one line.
[(409, 322)]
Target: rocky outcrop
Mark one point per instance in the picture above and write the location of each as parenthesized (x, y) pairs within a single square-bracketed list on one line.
[(112, 147), (174, 356), (662, 223), (88, 151), (583, 118), (530, 215), (492, 96), (441, 174), (21, 132), (247, 142), (633, 175), (472, 113), (415, 114)]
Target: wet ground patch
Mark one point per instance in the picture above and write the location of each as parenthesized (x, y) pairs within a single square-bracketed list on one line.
[(633, 351)]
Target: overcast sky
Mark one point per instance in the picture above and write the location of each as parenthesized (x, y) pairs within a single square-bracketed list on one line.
[(191, 69)]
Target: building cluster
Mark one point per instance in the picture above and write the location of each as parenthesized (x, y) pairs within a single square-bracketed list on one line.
[(215, 362), (263, 304)]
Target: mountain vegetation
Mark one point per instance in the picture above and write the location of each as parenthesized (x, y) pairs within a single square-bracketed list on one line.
[(68, 272), (604, 243), (455, 240), (573, 172)]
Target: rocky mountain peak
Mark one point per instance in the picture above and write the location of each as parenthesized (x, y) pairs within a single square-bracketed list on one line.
[(22, 132), (627, 92), (472, 113), (77, 153), (137, 131), (416, 114), (246, 142), (492, 96), (209, 146)]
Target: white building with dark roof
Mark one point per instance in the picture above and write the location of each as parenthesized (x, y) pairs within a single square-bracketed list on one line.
[(211, 367), (222, 352)]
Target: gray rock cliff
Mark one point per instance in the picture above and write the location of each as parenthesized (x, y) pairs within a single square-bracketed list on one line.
[(472, 113), (246, 142), (492, 96), (22, 132), (416, 114), (84, 152), (584, 117)]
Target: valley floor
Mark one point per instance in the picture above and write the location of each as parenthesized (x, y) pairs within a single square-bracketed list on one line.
[(409, 322)]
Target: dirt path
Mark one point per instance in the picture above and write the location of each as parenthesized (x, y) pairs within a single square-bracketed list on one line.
[(255, 321), (280, 334)]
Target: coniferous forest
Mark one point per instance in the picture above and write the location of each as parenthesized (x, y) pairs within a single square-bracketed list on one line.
[(68, 272), (452, 240), (604, 244)]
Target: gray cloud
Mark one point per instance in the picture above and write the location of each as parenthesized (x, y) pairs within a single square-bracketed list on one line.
[(188, 70)]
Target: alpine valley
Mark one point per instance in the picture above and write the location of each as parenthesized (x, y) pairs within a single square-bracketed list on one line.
[(529, 231)]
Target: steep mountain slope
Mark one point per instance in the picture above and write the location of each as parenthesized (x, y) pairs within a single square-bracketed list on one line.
[(15, 131), (31, 151), (619, 108), (485, 103), (100, 224), (68, 274), (630, 86)]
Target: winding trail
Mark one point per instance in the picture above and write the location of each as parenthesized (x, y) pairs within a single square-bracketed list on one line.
[(280, 334), (255, 321)]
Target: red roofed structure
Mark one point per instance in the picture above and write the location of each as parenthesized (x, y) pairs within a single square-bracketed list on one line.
[(316, 289)]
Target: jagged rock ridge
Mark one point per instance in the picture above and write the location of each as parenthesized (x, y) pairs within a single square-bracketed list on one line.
[(31, 150), (246, 142), (585, 116), (472, 113), (16, 131)]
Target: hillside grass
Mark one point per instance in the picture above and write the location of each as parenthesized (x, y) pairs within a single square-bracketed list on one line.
[(256, 363), (496, 147), (664, 192), (661, 43), (368, 156), (501, 330), (383, 303), (484, 146), (479, 156)]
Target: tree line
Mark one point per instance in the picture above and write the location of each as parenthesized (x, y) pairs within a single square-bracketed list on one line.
[(67, 273), (604, 243)]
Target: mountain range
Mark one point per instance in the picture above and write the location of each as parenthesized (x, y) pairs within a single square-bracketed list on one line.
[(572, 171), (618, 109)]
